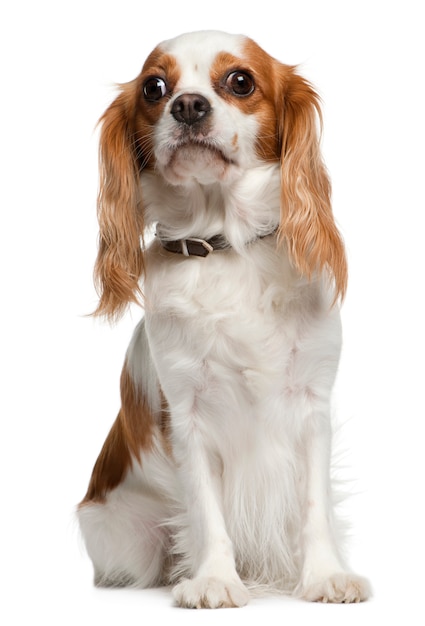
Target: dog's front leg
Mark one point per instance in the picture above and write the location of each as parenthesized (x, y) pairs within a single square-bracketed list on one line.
[(324, 577), (195, 412), (215, 582)]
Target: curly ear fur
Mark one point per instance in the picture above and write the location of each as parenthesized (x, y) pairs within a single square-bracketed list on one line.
[(307, 223), (119, 263)]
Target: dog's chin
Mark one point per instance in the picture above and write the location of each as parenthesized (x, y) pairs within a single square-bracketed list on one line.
[(203, 163)]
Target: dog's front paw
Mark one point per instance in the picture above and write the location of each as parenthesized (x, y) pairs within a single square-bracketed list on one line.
[(210, 593), (339, 588)]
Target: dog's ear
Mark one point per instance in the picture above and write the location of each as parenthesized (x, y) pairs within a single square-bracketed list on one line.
[(119, 263), (307, 223)]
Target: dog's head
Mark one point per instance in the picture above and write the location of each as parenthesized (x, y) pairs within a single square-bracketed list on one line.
[(205, 107)]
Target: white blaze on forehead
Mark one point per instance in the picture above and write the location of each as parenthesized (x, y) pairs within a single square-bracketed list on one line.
[(195, 54)]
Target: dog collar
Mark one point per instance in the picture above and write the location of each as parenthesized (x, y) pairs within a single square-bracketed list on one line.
[(195, 246)]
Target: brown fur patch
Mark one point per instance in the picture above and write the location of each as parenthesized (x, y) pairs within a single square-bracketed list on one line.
[(158, 65), (131, 435)]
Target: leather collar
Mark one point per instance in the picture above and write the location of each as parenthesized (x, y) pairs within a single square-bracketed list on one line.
[(195, 246)]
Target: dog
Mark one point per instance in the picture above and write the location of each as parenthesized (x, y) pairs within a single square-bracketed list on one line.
[(215, 476)]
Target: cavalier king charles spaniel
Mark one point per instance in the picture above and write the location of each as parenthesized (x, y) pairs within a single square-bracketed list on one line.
[(214, 206)]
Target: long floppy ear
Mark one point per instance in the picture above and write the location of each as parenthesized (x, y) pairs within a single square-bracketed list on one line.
[(307, 223), (119, 264)]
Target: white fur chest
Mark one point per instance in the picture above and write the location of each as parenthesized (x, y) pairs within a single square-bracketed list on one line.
[(247, 343), (221, 312)]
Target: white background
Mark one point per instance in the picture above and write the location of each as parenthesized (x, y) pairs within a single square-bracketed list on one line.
[(60, 370)]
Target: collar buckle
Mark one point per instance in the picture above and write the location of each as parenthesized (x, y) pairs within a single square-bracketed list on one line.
[(194, 246)]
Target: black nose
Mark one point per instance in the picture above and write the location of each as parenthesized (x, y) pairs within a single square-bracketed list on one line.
[(190, 108)]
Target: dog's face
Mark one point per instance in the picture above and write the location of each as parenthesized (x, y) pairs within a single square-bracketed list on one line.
[(209, 108), (210, 99)]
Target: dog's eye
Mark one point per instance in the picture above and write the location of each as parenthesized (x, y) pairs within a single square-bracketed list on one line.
[(154, 89), (240, 83)]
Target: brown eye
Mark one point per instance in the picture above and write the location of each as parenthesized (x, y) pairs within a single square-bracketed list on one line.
[(240, 84), (154, 89)]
